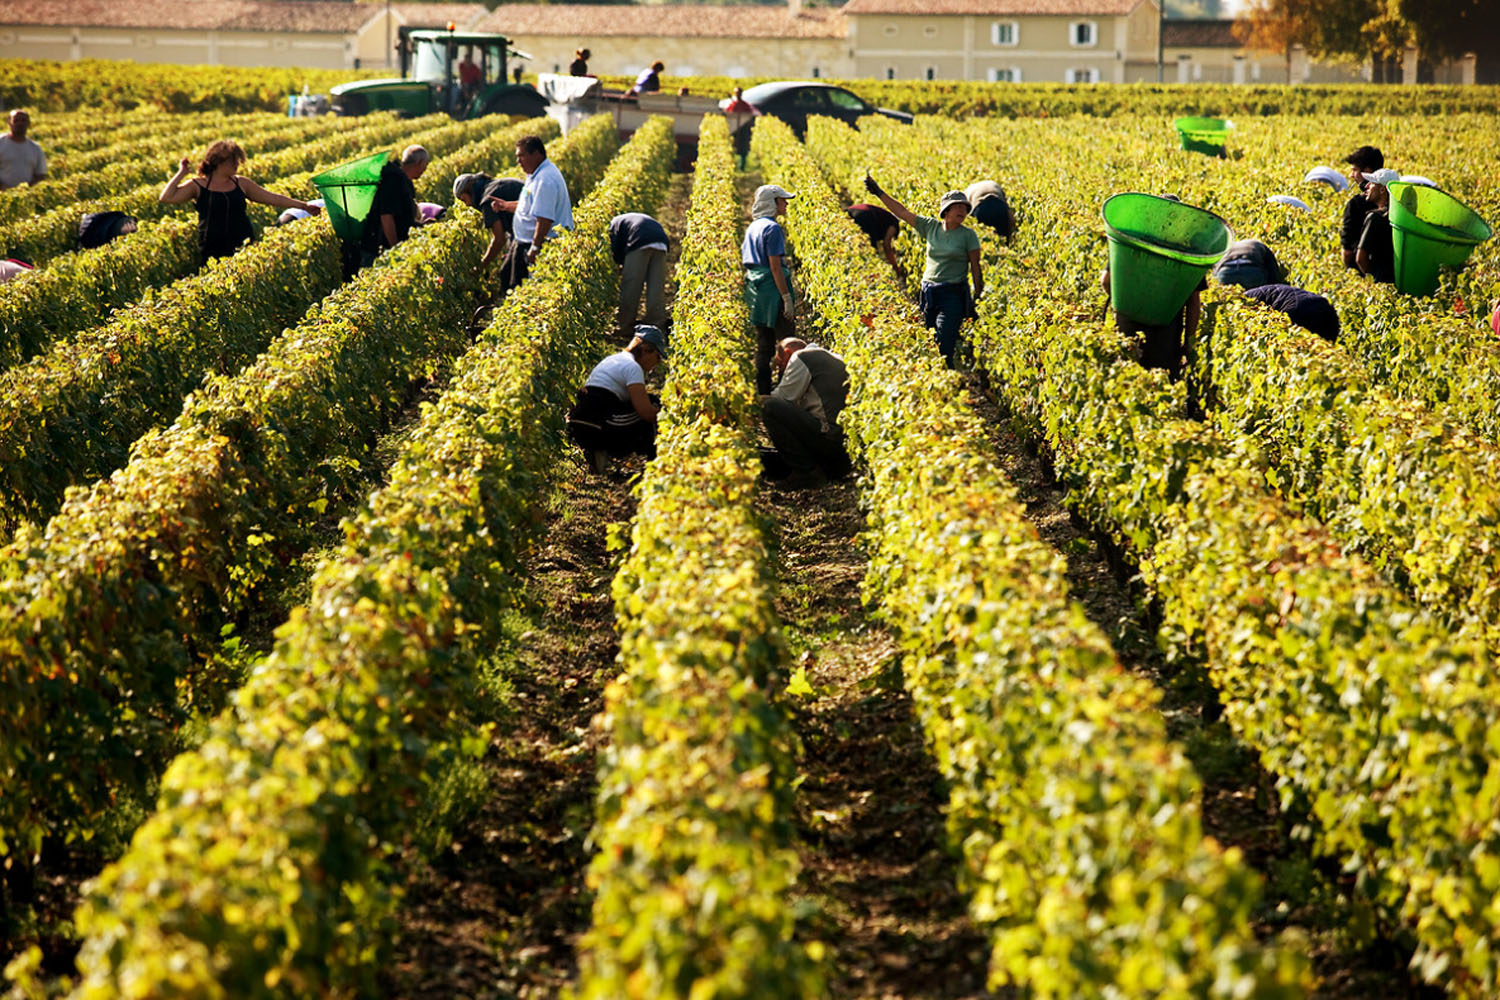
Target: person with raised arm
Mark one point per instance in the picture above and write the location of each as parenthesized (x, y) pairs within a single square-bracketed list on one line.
[(952, 260), (221, 195)]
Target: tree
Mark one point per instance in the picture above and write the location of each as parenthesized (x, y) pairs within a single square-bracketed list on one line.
[(1445, 29), (1379, 30)]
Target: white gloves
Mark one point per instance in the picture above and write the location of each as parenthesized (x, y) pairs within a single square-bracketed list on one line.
[(788, 306)]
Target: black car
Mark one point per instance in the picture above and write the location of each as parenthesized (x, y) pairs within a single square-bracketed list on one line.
[(794, 102)]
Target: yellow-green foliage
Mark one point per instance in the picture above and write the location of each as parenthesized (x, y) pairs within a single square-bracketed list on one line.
[(1078, 820), (268, 869), (1366, 708), (694, 868)]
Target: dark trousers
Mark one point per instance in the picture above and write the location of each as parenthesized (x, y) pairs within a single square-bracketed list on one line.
[(944, 308), (800, 443), (514, 268), (765, 350), (1161, 345), (601, 421)]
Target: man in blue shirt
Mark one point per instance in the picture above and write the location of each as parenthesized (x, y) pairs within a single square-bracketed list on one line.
[(543, 208), (638, 244)]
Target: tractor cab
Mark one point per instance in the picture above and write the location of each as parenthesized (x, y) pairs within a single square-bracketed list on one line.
[(461, 73)]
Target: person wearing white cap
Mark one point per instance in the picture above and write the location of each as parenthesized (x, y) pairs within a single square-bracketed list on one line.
[(952, 257), (1361, 161), (768, 284), (614, 415), (1375, 255)]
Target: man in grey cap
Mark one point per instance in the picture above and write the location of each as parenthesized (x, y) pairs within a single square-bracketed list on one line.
[(614, 414), (802, 416)]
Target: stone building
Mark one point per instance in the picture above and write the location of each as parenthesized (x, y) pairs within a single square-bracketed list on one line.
[(1016, 41), (320, 34), (696, 40)]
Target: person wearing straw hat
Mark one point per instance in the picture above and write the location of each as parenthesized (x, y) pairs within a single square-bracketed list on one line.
[(614, 414), (1363, 160), (1375, 253), (768, 281), (952, 258)]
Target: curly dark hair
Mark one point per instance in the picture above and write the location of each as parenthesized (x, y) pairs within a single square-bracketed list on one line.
[(219, 152)]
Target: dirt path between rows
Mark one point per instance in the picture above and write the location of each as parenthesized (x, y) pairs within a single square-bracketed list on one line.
[(871, 804), (499, 914), (1241, 809)]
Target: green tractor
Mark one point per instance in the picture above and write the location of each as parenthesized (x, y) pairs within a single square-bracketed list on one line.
[(463, 74)]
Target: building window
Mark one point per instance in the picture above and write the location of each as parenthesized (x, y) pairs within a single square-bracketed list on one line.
[(889, 31), (1005, 33), (1081, 75), (931, 73), (1011, 74), (817, 72), (1083, 34), (556, 68), (890, 72), (930, 31)]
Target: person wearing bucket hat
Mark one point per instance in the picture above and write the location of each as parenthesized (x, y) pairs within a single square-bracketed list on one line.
[(221, 195), (1361, 161), (768, 280), (1375, 253), (614, 415), (952, 258)]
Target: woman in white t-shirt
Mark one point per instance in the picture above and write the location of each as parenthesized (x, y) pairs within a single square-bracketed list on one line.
[(614, 414)]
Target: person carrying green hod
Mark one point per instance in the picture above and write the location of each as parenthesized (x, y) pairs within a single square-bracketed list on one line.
[(768, 282)]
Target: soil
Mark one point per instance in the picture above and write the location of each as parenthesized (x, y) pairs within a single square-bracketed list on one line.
[(870, 805), (499, 913)]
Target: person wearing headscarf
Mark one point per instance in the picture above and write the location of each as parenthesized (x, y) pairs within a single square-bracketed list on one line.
[(768, 283), (952, 259), (477, 191)]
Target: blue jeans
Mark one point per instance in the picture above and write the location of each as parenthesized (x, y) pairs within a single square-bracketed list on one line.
[(944, 307)]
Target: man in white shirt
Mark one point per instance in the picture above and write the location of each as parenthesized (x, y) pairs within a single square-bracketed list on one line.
[(801, 416), (543, 208), (21, 159)]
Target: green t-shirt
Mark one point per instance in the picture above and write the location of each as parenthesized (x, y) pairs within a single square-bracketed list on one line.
[(947, 250)]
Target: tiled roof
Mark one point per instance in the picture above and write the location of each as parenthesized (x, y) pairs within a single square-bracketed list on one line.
[(585, 21), (986, 8), (437, 15), (1200, 34), (303, 16)]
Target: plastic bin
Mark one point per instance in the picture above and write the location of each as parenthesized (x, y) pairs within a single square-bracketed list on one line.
[(348, 191), (1430, 228), (1203, 135), (1159, 250)]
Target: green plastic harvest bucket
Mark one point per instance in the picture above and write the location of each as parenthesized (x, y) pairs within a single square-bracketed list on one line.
[(1203, 135), (1430, 228), (348, 191), (1159, 250)]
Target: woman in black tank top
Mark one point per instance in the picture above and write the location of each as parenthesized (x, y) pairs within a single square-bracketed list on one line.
[(221, 196)]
